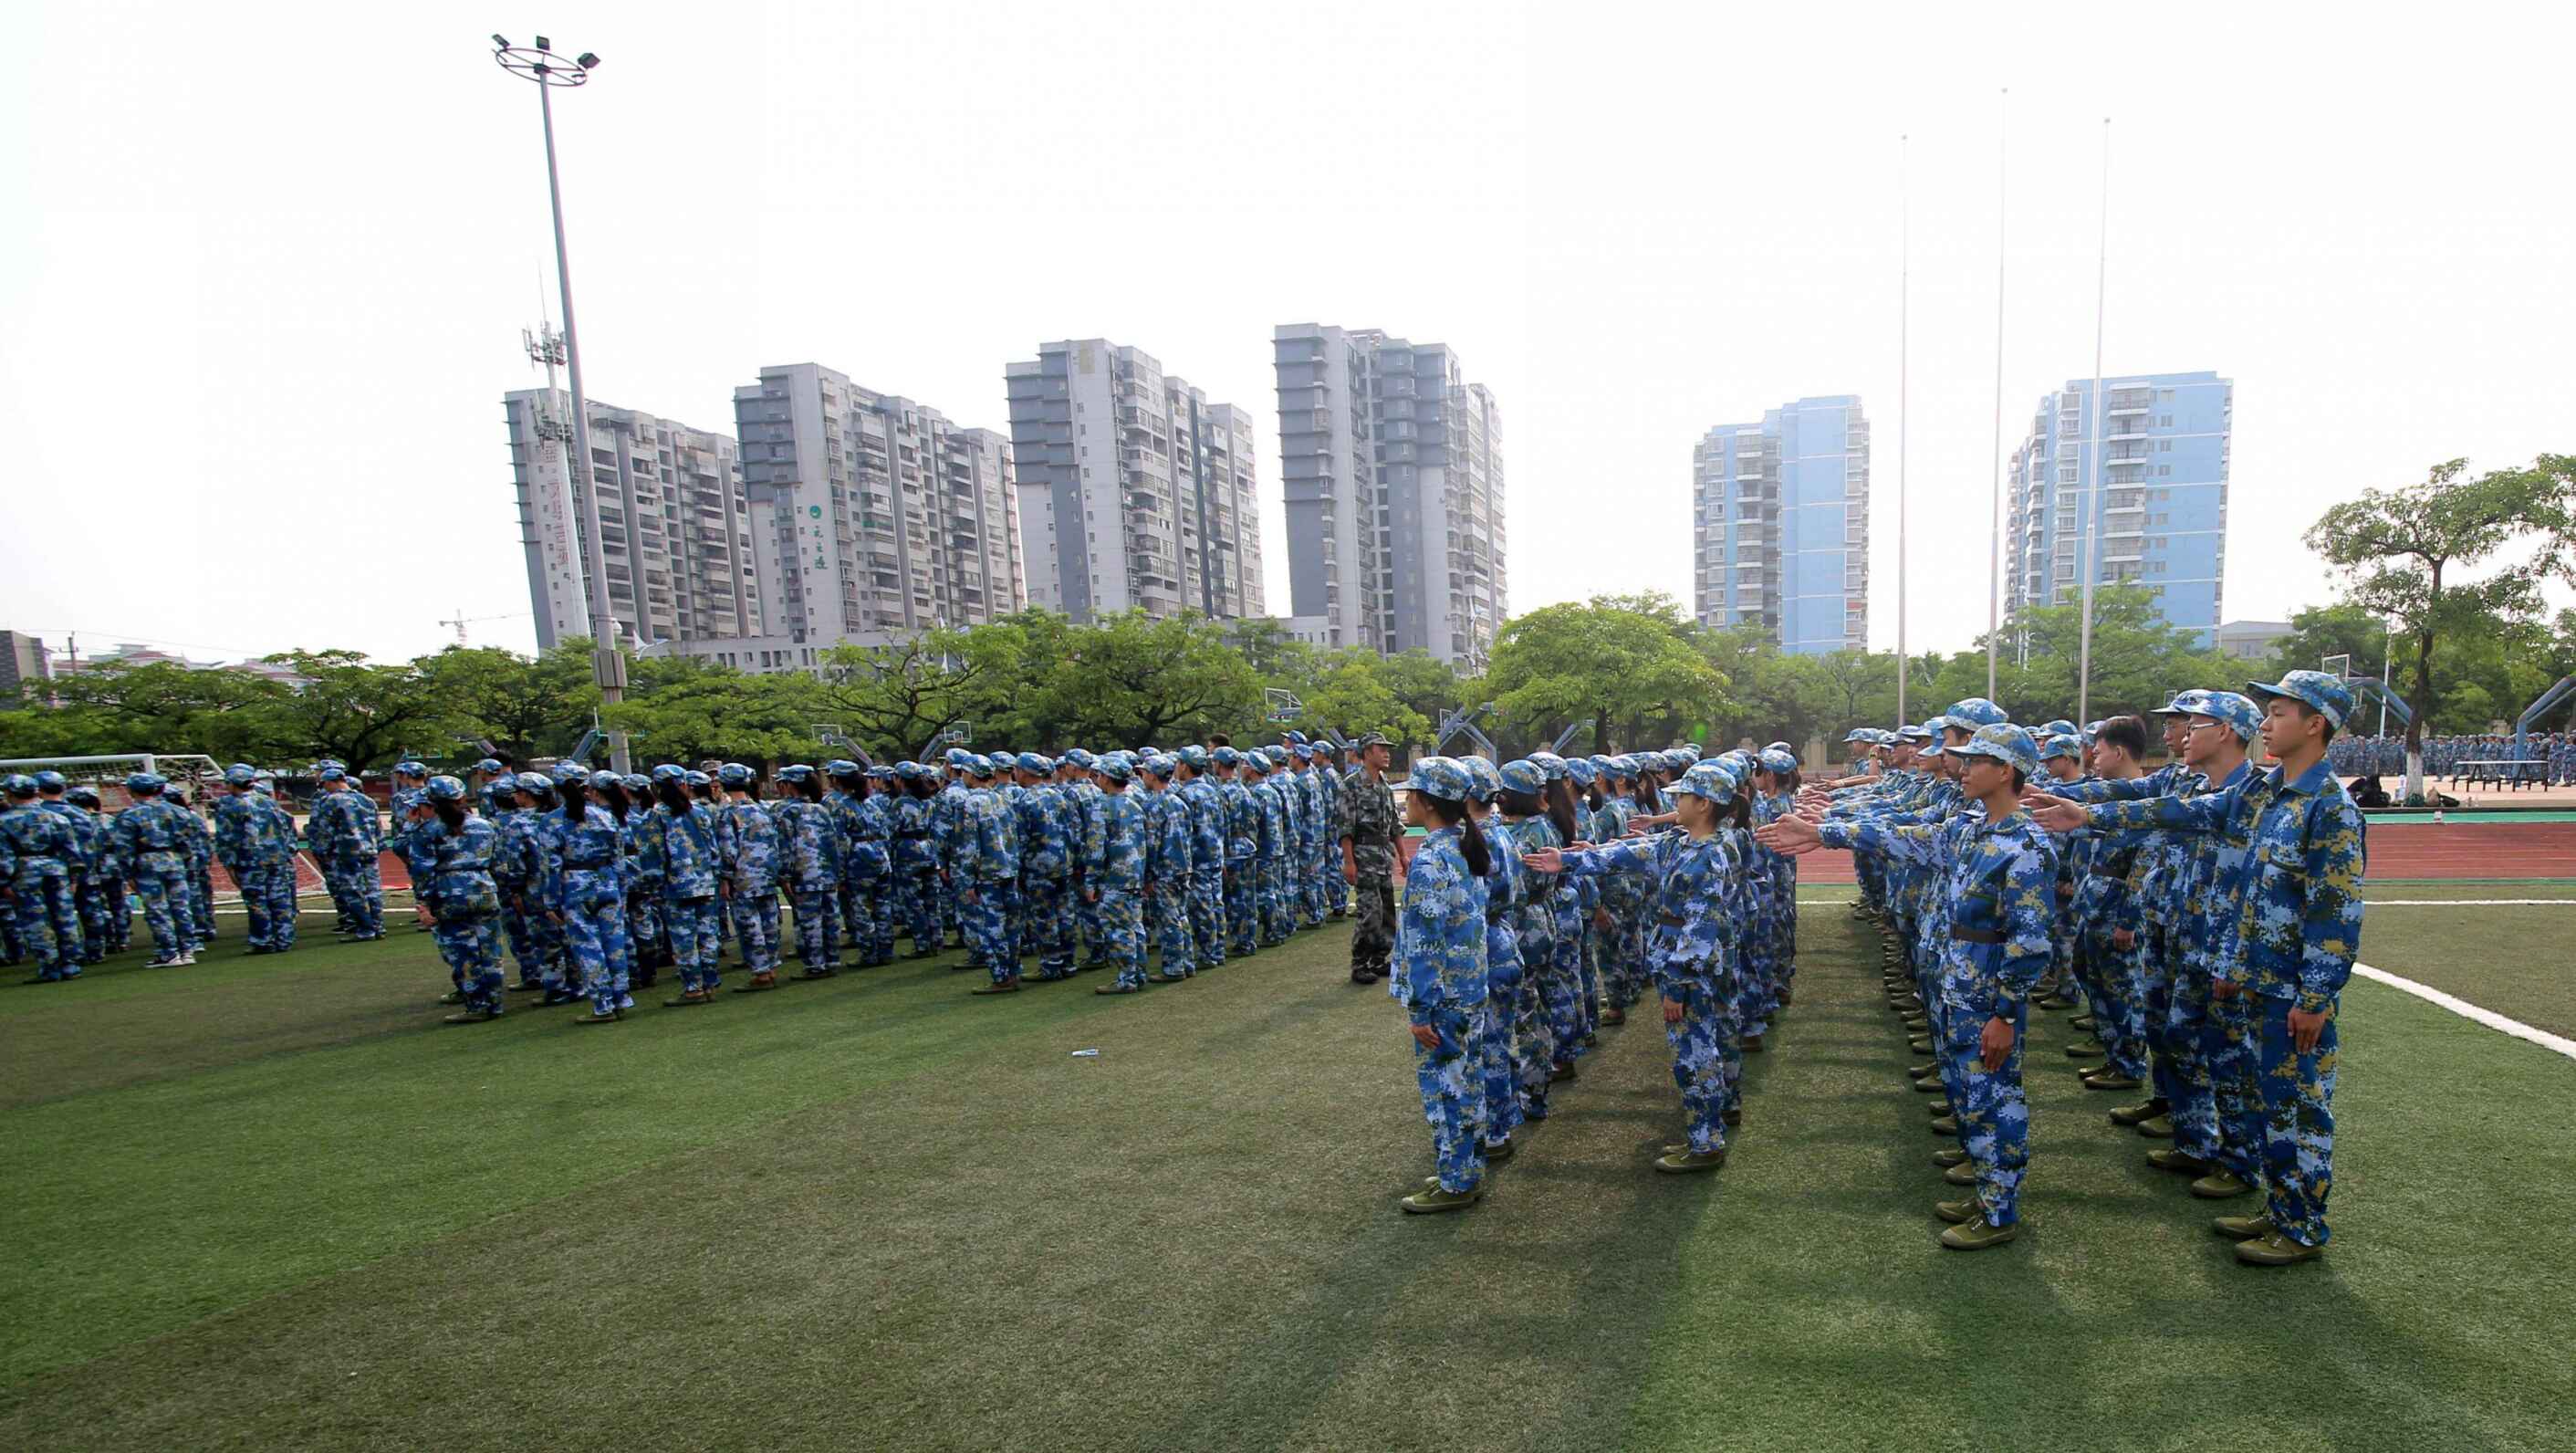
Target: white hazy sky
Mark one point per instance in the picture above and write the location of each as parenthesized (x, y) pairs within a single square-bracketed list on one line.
[(263, 271)]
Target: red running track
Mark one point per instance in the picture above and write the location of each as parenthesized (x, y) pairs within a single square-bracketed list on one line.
[(2397, 850)]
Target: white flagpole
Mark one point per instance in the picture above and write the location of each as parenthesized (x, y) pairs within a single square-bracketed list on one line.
[(2093, 496), (1904, 357), (1995, 511)]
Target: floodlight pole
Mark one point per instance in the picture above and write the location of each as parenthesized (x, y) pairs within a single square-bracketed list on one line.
[(541, 65)]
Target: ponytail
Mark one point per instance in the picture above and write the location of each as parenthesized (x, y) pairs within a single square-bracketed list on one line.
[(1560, 809), (673, 795), (810, 788), (1471, 842), (614, 795), (576, 801), (450, 813)]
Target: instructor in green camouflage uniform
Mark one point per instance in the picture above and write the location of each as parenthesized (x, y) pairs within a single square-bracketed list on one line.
[(1368, 830)]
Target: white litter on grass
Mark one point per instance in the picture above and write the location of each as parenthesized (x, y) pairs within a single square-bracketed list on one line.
[(1086, 1054)]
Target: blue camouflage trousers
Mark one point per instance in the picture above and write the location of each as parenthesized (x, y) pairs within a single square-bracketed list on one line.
[(1533, 1017), (984, 913), (1994, 1118), (1306, 887), (689, 924), (1561, 983), (1622, 950), (357, 892), (163, 891), (89, 905), (2182, 1063), (1499, 1074), (1453, 1095), (2116, 989), (2285, 1115), (644, 929), (519, 931), (268, 903), (869, 917), (1086, 918), (754, 911), (1271, 899), (596, 947), (816, 948), (1046, 907), (1207, 915), (1121, 915), (1242, 909), (1325, 878), (48, 923), (1703, 1040), (201, 901), (1587, 969), (1169, 909), (472, 949), (919, 892)]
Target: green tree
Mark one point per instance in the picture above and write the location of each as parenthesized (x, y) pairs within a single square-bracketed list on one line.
[(1134, 681), (362, 714), (898, 699), (1624, 666), (2404, 552), (1352, 693), (526, 708), (687, 709), (159, 707)]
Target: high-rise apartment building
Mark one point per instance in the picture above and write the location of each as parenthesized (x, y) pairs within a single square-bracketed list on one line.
[(667, 500), (1392, 465), (2153, 505), (875, 514), (1135, 492), (1780, 525)]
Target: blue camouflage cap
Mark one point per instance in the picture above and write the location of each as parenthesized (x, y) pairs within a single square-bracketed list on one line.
[(1712, 780), (1523, 775), (566, 771), (19, 784), (1580, 772), (239, 774), (1032, 762), (1438, 777), (670, 772), (1160, 764), (333, 774), (2237, 713), (1295, 738), (411, 767), (1623, 767), (443, 788), (488, 766), (1973, 713), (1302, 752), (1115, 767), (2061, 744), (1689, 751), (636, 782), (734, 774), (1778, 761), (1857, 734), (509, 782), (910, 771), (1551, 764), (83, 796), (2322, 691), (540, 784), (1482, 780), (1225, 756), (2058, 728), (1080, 758), (1195, 758), (844, 767), (794, 772), (2003, 742), (144, 782), (602, 780), (1911, 732)]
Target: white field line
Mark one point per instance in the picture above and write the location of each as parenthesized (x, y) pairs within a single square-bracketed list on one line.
[(2555, 1044), (2370, 902)]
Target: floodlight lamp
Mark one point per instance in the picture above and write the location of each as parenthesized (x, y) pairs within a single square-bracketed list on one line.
[(588, 61), (544, 44), (500, 42)]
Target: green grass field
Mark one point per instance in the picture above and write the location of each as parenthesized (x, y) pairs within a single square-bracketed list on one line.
[(271, 1202)]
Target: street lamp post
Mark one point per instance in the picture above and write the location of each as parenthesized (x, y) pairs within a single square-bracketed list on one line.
[(540, 64)]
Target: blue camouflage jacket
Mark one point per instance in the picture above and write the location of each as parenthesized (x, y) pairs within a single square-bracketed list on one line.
[(747, 842), (2288, 877), (1113, 851), (1995, 884), (1047, 824), (1440, 934), (1693, 889), (451, 870), (677, 852)]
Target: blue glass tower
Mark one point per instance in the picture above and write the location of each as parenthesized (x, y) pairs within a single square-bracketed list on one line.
[(1780, 525)]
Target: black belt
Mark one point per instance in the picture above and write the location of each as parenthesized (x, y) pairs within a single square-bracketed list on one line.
[(1978, 935)]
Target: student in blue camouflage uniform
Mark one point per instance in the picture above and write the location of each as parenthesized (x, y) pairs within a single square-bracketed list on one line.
[(1998, 876), (1694, 885), (1242, 839), (916, 861), (628, 801), (1535, 1018), (1581, 785), (1315, 830), (1047, 844), (1562, 981), (676, 852), (1618, 939), (197, 853), (450, 851), (355, 847), (257, 850), (589, 898), (748, 850), (985, 878), (809, 867), (1439, 977), (863, 827), (37, 849), (150, 836), (2292, 861), (1113, 853), (1271, 849), (1206, 810), (2109, 917), (1082, 789), (1498, 1069), (522, 874), (99, 899), (1167, 868), (1328, 851), (2061, 763), (80, 864)]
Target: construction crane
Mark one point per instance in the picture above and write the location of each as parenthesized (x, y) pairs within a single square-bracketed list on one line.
[(461, 620)]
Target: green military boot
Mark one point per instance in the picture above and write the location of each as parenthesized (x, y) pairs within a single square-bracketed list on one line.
[(1690, 1161), (1959, 1213), (2219, 1185), (1916, 1072), (2111, 1080), (2179, 1162), (1750, 1044), (1977, 1235), (1946, 1125), (2140, 1113), (2083, 1051), (2159, 1128), (1928, 1085), (1939, 1108), (1949, 1157), (2276, 1249), (1919, 1046), (2243, 1228), (1432, 1201), (1960, 1175), (2081, 1021)]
